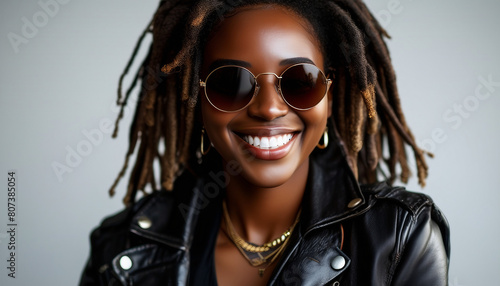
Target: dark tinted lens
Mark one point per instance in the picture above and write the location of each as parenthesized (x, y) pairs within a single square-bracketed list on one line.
[(303, 86), (230, 88)]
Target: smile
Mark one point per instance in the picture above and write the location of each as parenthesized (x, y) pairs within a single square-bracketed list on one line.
[(268, 143)]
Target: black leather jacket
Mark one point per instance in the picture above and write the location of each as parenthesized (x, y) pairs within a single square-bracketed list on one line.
[(393, 237)]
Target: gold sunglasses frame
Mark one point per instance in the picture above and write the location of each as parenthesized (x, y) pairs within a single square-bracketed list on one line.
[(256, 88)]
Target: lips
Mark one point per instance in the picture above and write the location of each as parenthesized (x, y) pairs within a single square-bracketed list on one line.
[(268, 142)]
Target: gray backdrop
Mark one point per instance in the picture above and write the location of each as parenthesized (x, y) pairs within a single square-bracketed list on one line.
[(60, 63)]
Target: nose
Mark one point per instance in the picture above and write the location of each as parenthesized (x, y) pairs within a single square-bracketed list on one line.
[(267, 103)]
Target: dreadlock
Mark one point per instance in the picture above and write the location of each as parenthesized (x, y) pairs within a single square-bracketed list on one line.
[(366, 113)]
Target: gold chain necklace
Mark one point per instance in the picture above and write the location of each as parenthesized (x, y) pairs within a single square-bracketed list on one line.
[(258, 255)]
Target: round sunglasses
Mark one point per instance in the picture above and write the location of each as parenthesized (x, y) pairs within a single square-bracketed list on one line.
[(231, 88)]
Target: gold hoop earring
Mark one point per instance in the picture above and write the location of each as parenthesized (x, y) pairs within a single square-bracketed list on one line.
[(325, 140), (202, 147)]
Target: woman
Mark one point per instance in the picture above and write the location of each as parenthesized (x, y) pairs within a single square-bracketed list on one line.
[(264, 118)]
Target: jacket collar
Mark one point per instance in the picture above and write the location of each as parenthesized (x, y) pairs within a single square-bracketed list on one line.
[(333, 193)]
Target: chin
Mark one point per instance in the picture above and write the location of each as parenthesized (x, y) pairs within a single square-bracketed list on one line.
[(269, 176), (267, 181)]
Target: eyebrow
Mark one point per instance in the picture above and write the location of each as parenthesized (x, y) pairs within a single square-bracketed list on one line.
[(228, 62), (298, 60)]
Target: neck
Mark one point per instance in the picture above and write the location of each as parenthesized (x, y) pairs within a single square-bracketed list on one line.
[(260, 214)]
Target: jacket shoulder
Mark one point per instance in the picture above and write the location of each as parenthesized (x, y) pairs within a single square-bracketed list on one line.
[(150, 225), (123, 216), (413, 202), (418, 205), (419, 230), (158, 206), (113, 233)]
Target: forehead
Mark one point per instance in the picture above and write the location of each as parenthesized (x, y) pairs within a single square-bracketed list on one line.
[(263, 34)]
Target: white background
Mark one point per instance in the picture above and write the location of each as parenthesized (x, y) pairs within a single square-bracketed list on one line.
[(62, 82)]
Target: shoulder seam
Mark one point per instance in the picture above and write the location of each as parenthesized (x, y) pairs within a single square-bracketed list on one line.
[(128, 213), (411, 201)]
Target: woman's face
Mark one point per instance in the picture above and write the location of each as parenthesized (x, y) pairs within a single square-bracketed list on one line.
[(264, 39)]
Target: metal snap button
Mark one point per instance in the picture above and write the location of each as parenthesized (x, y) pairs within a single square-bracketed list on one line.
[(125, 262), (338, 263), (354, 202), (144, 222)]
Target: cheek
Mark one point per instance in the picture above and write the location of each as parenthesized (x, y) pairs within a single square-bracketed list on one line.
[(316, 117), (216, 124), (315, 123)]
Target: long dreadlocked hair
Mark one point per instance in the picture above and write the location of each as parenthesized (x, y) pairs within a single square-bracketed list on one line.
[(366, 107)]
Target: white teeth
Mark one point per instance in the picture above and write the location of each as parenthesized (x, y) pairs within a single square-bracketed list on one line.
[(280, 140), (264, 142), (256, 141), (271, 142)]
